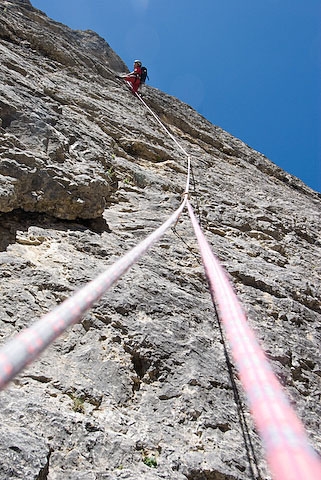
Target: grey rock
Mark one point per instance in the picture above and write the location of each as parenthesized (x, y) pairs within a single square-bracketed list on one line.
[(23, 455), (140, 388)]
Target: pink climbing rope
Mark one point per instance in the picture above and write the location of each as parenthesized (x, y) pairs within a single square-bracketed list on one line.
[(28, 344), (288, 452)]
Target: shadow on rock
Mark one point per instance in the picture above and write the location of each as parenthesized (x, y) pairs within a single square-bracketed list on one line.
[(20, 221)]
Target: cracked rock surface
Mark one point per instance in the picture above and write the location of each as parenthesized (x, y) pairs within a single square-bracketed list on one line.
[(140, 388)]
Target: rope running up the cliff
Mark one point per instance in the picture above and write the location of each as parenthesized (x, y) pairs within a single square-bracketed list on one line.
[(253, 464), (288, 452), (289, 455), (188, 179)]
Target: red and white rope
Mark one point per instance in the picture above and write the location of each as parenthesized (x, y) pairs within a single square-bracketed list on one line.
[(28, 344), (288, 452), (287, 448)]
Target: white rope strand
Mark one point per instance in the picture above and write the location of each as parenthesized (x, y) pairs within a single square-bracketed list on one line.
[(174, 140)]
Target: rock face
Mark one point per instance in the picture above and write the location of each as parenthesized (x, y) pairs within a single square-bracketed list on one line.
[(45, 163), (140, 388)]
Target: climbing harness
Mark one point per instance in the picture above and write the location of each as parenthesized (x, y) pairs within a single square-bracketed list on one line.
[(288, 452)]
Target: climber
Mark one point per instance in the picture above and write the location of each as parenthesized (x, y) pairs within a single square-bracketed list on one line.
[(133, 77)]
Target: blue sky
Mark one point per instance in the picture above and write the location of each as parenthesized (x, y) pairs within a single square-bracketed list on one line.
[(252, 67)]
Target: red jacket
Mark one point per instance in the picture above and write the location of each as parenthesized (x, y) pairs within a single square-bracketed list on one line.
[(137, 71), (134, 77)]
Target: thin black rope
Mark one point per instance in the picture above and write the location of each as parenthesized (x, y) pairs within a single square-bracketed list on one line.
[(195, 194), (190, 249), (249, 447), (246, 434)]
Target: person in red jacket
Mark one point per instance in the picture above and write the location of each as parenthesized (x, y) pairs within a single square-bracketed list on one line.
[(134, 77)]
